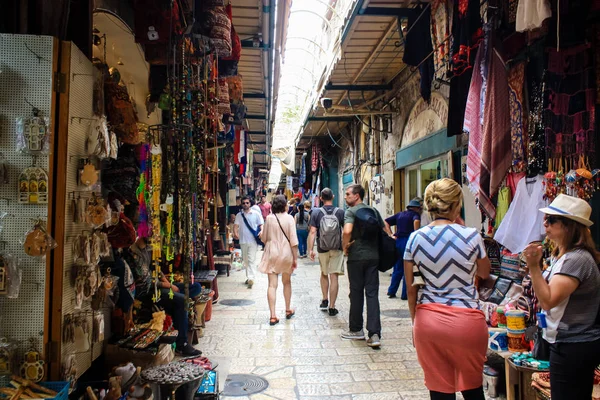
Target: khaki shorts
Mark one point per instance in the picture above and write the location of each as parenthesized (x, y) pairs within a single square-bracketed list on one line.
[(332, 262)]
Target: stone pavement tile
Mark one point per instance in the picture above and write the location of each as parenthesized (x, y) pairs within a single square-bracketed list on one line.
[(281, 394), (406, 374), (314, 369), (345, 397), (351, 367), (338, 344), (415, 395), (282, 383), (398, 385), (413, 364), (377, 396), (394, 357), (241, 369), (324, 378), (276, 351), (372, 376), (350, 388), (314, 389), (391, 365), (287, 372), (314, 352), (342, 360), (308, 360)]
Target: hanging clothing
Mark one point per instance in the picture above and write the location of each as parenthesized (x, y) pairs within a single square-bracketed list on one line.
[(472, 124), (536, 137), (516, 81), (569, 106), (523, 223), (503, 204), (440, 34), (466, 34), (496, 145), (303, 170), (418, 48), (531, 14), (512, 180)]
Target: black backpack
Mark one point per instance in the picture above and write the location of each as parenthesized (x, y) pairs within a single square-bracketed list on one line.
[(366, 223)]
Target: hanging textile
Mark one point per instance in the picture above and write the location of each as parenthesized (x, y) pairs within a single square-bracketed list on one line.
[(569, 107), (316, 157), (496, 145), (418, 48), (303, 170), (440, 33), (523, 222), (531, 14), (466, 35), (516, 81), (504, 197), (472, 124), (236, 145), (536, 138)]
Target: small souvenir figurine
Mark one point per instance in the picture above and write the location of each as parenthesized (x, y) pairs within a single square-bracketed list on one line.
[(32, 133), (37, 241), (32, 368), (88, 174), (7, 356), (33, 186)]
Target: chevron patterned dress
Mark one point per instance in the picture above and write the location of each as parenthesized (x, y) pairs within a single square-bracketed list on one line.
[(450, 331)]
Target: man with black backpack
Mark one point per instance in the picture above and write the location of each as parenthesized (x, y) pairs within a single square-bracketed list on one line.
[(361, 235), (326, 224)]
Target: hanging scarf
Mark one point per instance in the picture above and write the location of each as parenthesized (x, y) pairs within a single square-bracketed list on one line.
[(303, 170), (496, 155), (472, 124), (516, 80)]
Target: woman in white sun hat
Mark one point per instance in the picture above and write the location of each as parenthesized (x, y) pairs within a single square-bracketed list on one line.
[(569, 293)]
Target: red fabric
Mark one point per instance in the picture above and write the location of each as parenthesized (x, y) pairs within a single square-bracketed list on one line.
[(512, 180), (157, 14), (496, 153), (451, 345), (236, 44), (236, 146)]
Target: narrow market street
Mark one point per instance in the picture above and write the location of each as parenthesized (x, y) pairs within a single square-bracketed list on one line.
[(305, 358)]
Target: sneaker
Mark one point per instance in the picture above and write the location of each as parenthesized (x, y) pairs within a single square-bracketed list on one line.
[(391, 296), (245, 283), (188, 351), (374, 341), (360, 335), (324, 305), (333, 312), (250, 283)]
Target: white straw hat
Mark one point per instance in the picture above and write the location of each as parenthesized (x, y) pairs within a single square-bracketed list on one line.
[(570, 207)]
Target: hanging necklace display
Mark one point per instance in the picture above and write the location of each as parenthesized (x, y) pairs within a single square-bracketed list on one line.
[(32, 133), (32, 368), (33, 185)]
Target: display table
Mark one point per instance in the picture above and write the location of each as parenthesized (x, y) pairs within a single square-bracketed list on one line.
[(518, 380)]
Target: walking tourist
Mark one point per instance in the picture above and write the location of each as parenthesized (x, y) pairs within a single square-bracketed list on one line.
[(450, 332), (280, 256), (569, 294), (302, 219), (265, 207), (406, 222), (326, 225), (247, 228), (362, 226)]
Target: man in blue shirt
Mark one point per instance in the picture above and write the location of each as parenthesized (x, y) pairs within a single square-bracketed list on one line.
[(406, 222)]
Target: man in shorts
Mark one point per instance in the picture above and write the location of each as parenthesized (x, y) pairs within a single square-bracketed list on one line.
[(328, 231)]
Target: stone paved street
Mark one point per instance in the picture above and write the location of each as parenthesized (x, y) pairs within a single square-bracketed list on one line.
[(305, 358)]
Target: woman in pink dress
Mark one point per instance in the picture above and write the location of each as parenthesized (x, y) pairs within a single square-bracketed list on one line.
[(280, 256)]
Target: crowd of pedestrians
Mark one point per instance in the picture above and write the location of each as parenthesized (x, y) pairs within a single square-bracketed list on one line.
[(438, 260)]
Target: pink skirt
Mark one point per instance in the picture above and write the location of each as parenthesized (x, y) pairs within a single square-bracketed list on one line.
[(451, 345)]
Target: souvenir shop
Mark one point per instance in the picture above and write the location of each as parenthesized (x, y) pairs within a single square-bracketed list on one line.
[(528, 91), (116, 173)]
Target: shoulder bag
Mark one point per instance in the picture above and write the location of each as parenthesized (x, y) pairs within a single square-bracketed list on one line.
[(254, 232), (284, 234)]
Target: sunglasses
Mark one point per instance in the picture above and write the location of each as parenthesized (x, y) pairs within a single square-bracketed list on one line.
[(246, 202), (552, 219)]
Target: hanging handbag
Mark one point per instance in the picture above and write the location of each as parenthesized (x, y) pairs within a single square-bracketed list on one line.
[(541, 348)]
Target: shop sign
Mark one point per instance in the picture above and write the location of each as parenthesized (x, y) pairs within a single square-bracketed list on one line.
[(425, 119)]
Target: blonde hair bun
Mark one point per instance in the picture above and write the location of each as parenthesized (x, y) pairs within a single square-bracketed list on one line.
[(443, 197)]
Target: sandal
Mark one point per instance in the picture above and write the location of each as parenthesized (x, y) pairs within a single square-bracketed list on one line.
[(273, 321), (289, 314)]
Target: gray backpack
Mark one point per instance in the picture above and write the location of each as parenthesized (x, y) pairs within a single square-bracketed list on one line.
[(330, 231)]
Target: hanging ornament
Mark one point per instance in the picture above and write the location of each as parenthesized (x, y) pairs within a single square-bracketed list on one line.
[(32, 133), (33, 186), (37, 241), (32, 368)]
